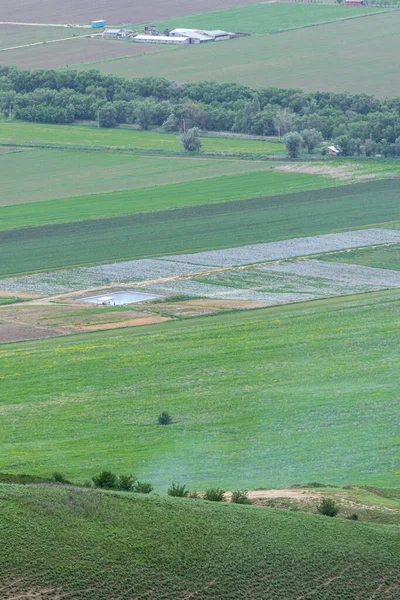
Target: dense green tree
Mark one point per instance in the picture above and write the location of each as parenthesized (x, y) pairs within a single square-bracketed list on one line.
[(190, 140), (293, 142), (311, 139)]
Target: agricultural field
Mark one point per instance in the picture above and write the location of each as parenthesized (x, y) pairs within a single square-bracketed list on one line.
[(17, 132), (17, 35), (265, 18), (295, 59), (197, 228), (308, 397), (120, 11), (63, 54), (208, 191), (51, 174), (245, 552)]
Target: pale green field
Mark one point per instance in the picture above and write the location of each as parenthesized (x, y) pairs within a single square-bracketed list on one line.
[(74, 135), (355, 55), (17, 35), (54, 174), (266, 18)]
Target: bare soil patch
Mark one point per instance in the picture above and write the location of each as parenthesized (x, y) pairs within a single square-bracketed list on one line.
[(195, 308), (117, 12), (296, 494), (17, 333)]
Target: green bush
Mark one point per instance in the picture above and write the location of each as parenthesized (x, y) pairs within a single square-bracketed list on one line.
[(240, 497), (178, 490), (59, 477), (214, 495), (164, 418), (126, 483), (328, 507), (106, 480), (142, 487)]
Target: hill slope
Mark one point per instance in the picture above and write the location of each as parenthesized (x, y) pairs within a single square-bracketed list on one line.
[(105, 546)]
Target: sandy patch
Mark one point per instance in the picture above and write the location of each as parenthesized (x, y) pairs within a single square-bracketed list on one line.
[(128, 323), (290, 494)]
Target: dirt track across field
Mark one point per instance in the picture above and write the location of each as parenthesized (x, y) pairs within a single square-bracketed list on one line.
[(115, 13)]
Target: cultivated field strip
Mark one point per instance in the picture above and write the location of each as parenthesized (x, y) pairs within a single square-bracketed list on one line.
[(286, 282), (255, 253), (338, 272), (69, 280)]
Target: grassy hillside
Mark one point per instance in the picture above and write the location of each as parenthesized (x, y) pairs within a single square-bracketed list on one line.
[(50, 175), (266, 18), (271, 397), (64, 543), (198, 228), (78, 135), (295, 59), (194, 193)]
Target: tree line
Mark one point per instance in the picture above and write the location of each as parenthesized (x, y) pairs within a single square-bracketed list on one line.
[(358, 123)]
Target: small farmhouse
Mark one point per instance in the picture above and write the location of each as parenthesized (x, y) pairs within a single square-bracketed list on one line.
[(333, 150), (354, 2), (98, 24), (115, 34)]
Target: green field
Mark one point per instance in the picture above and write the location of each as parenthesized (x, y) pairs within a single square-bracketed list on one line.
[(297, 59), (305, 392), (383, 257), (197, 228), (19, 132), (266, 18), (161, 197), (71, 542), (53, 174)]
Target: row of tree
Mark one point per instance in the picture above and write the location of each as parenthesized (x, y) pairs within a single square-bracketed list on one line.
[(361, 123)]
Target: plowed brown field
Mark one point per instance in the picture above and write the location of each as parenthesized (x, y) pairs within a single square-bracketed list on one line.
[(119, 11)]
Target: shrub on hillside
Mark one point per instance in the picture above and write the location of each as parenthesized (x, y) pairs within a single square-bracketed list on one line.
[(214, 494), (106, 480), (59, 477), (126, 483), (142, 487), (328, 507), (240, 497), (353, 517), (177, 490)]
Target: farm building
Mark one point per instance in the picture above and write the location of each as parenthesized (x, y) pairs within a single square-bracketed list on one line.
[(199, 36), (114, 34), (97, 24), (333, 150), (160, 39), (354, 2)]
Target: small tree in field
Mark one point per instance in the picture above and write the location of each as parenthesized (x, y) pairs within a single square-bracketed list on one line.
[(190, 140), (164, 418), (126, 483), (293, 142), (328, 508), (214, 494)]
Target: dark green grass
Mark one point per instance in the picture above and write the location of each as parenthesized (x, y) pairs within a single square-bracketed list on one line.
[(88, 544), (265, 398), (192, 193), (199, 228), (10, 300), (382, 257)]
